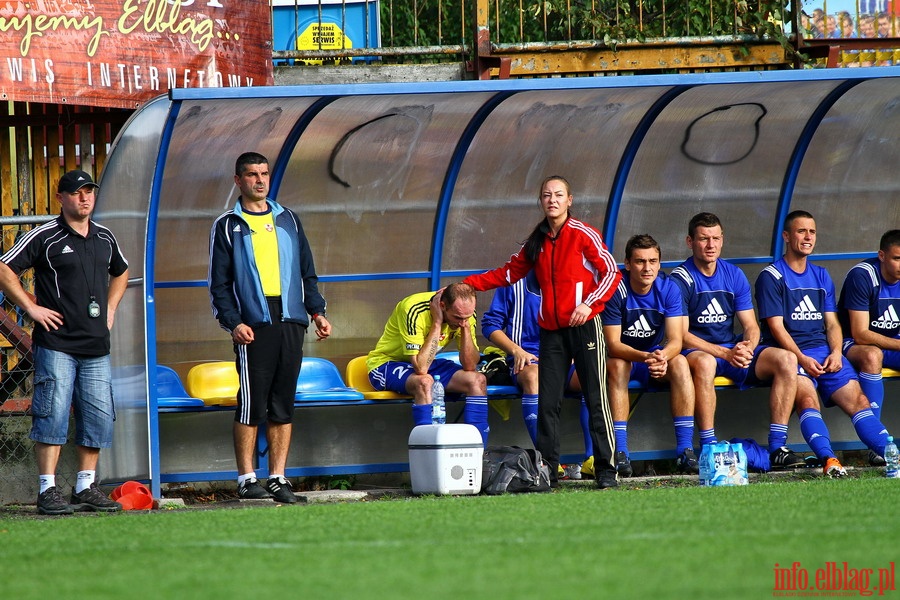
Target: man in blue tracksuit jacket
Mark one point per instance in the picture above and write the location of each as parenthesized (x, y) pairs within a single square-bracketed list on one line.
[(263, 284)]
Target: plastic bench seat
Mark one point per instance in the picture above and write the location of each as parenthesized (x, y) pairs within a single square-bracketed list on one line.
[(719, 382), (215, 383), (320, 381), (170, 392), (358, 378)]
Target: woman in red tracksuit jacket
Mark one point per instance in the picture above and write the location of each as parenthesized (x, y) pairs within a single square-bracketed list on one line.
[(577, 275)]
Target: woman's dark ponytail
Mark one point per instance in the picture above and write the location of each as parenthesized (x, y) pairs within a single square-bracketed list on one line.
[(535, 241)]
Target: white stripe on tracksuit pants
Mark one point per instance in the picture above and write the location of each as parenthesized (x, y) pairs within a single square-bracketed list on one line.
[(585, 346)]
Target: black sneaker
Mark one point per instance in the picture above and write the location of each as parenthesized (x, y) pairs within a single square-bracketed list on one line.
[(281, 490), (784, 458), (251, 490), (607, 480), (51, 502), (875, 460), (92, 499), (623, 464), (687, 462)]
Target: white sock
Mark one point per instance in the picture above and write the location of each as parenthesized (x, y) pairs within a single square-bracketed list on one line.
[(84, 480), (47, 482), (245, 477), (278, 477)]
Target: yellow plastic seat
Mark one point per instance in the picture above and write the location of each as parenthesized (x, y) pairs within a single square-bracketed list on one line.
[(722, 382), (358, 378), (888, 373), (216, 383)]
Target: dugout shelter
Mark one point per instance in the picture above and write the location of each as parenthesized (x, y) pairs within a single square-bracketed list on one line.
[(405, 187)]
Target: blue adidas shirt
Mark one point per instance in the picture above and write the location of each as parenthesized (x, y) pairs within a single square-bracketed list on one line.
[(802, 299), (711, 303), (866, 290), (643, 317)]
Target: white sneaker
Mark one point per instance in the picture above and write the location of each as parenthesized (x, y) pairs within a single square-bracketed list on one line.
[(573, 471)]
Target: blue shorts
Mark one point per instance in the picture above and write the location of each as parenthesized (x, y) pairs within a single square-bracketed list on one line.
[(510, 363), (745, 378), (828, 383), (80, 384), (569, 378), (891, 358), (392, 375), (640, 372)]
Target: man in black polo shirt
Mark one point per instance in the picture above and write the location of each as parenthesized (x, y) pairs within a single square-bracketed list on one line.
[(80, 277)]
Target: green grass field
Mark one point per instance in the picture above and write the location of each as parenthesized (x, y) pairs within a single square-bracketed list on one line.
[(639, 541)]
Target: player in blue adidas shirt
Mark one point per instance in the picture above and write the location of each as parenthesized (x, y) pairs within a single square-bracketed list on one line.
[(797, 307), (716, 295), (869, 313), (643, 326), (511, 323)]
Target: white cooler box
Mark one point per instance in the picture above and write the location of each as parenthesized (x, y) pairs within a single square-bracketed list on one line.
[(445, 459)]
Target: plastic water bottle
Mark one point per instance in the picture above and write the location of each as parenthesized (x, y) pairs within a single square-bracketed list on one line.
[(891, 459), (704, 464), (438, 408)]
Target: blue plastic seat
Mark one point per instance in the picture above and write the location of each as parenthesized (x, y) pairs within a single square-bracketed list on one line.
[(170, 391), (320, 381)]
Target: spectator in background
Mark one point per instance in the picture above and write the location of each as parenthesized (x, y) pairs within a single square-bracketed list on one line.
[(884, 57), (643, 326), (885, 25), (831, 27), (818, 23), (577, 276), (807, 26), (867, 30), (867, 26), (848, 28)]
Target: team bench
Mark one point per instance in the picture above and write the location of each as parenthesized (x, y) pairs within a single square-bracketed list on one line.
[(742, 419), (341, 435), (214, 385), (344, 435)]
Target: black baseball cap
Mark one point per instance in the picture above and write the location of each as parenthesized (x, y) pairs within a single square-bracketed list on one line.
[(73, 181)]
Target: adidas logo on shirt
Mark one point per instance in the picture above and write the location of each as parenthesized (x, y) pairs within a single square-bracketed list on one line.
[(889, 320), (712, 313), (66, 250), (640, 329), (806, 311)]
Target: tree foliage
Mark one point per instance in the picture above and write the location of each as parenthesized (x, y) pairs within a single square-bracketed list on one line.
[(417, 23)]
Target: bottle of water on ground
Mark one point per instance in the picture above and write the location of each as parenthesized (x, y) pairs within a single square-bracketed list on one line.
[(704, 464), (891, 459), (438, 408)]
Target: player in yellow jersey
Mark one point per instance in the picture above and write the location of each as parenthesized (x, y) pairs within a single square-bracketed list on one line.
[(405, 360)]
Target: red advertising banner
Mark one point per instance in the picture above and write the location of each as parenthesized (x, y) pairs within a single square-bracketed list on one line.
[(121, 53)]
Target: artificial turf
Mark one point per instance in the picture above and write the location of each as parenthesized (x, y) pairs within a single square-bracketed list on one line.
[(639, 541)]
